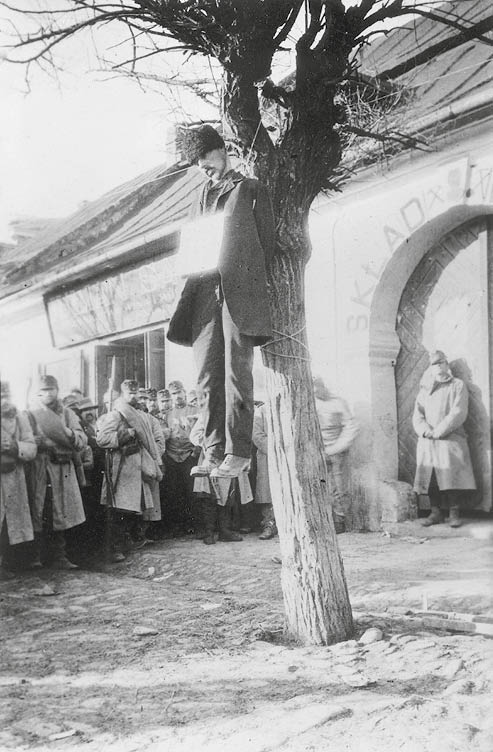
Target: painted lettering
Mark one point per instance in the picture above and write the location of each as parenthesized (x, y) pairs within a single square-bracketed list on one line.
[(485, 183), (433, 196), (413, 215), (369, 269), (357, 323), (393, 237), (362, 298)]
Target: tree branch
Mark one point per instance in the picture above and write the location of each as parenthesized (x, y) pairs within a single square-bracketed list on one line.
[(401, 138), (314, 27), (284, 32)]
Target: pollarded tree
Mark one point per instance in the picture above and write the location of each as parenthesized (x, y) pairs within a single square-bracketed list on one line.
[(244, 36)]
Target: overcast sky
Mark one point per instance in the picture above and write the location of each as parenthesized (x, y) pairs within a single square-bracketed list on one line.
[(73, 138), (65, 143), (76, 135)]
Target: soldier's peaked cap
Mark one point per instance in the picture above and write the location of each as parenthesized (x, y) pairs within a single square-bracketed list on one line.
[(195, 143), (47, 382), (71, 400), (164, 394)]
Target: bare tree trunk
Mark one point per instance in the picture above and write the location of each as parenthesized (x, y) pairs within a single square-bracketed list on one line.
[(313, 582)]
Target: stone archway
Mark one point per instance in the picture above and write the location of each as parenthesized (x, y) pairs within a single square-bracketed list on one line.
[(384, 344)]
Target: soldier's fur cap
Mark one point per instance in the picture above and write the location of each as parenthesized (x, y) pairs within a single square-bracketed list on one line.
[(130, 384), (195, 143), (437, 356), (176, 386)]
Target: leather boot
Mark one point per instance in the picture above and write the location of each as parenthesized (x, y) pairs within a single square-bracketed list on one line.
[(339, 523), (454, 519), (235, 514), (224, 521), (36, 546), (198, 519), (209, 507), (247, 512), (434, 518), (268, 531)]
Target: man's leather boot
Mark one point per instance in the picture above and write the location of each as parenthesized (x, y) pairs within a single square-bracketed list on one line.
[(224, 520), (434, 518), (339, 523), (454, 519), (268, 531), (198, 519), (209, 507)]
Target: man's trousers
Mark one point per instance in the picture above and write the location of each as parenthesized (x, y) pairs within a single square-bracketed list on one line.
[(224, 360), (338, 469)]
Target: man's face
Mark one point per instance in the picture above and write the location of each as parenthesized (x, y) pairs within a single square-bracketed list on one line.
[(214, 164), (48, 395), (165, 404), (151, 404), (440, 368), (179, 397), (130, 395), (202, 398)]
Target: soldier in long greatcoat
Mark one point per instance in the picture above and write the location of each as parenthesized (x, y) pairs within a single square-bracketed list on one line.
[(125, 432), (444, 469), (57, 504), (17, 448)]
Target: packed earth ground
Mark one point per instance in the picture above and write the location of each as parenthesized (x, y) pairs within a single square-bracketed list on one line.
[(181, 648)]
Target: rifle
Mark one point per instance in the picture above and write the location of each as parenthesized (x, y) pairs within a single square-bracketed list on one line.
[(108, 470)]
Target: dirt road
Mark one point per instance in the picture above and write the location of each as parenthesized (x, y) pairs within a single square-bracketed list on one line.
[(180, 648)]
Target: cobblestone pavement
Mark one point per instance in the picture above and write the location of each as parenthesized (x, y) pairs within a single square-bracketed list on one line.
[(179, 648)]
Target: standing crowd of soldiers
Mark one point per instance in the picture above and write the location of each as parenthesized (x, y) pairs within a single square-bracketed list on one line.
[(71, 481), (128, 475)]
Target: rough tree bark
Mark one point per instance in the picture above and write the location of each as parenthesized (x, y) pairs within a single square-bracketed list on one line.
[(314, 587)]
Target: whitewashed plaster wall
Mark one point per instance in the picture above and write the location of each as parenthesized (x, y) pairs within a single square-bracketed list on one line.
[(366, 245)]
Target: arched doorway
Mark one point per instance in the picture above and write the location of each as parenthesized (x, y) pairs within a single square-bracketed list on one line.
[(446, 305)]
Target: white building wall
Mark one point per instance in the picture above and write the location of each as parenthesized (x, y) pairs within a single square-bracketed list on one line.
[(365, 246)]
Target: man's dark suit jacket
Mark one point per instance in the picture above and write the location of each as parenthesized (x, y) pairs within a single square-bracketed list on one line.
[(247, 248)]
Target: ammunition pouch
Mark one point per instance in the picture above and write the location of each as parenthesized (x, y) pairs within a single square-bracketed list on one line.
[(7, 464), (61, 456), (132, 447)]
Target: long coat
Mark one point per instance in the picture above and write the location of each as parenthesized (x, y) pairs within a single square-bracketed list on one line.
[(442, 407), (259, 438), (14, 503), (154, 514), (246, 250), (131, 492), (68, 510)]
